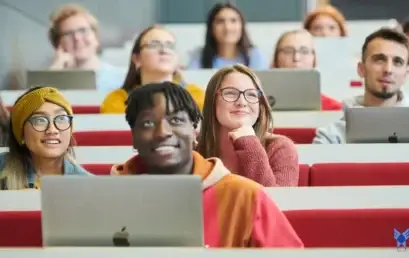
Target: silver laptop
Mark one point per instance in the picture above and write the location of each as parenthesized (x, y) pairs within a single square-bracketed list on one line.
[(63, 80), (144, 210), (377, 125), (292, 89)]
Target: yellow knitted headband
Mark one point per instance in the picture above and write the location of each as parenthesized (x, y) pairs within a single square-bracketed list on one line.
[(32, 101)]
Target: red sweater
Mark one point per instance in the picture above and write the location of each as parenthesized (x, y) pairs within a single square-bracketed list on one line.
[(275, 165), (328, 103)]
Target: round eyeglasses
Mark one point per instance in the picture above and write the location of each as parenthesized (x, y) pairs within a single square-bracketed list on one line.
[(231, 94), (160, 46), (42, 123), (290, 51)]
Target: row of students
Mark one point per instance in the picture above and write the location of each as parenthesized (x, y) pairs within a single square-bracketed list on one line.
[(75, 36), (231, 94), (163, 117), (153, 59), (227, 41), (236, 127)]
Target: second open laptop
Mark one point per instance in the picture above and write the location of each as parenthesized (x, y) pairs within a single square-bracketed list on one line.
[(292, 89), (377, 125), (63, 80), (143, 210)]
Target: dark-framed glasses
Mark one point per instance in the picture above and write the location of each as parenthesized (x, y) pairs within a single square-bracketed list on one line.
[(71, 33), (42, 123), (231, 94), (159, 45), (291, 51)]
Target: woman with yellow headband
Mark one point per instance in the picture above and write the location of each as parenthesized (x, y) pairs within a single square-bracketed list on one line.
[(40, 141)]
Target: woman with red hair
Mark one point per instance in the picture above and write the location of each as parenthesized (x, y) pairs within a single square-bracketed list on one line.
[(326, 21)]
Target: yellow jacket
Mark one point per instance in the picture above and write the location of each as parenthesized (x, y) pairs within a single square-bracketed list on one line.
[(114, 102)]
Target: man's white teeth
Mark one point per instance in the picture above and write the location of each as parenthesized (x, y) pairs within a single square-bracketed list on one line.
[(165, 148), (51, 141)]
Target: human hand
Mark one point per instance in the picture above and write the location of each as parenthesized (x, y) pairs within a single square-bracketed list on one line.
[(245, 129), (62, 59)]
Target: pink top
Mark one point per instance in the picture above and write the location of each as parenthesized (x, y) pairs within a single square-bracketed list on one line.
[(275, 165)]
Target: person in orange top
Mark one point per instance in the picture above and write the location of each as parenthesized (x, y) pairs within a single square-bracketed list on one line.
[(326, 21), (295, 49), (153, 59), (237, 211)]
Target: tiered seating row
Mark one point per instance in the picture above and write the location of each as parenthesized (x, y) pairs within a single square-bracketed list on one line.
[(317, 228), (331, 174), (124, 138)]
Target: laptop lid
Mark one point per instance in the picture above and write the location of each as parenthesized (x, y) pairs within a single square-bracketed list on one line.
[(377, 125), (144, 210), (63, 80), (292, 89)]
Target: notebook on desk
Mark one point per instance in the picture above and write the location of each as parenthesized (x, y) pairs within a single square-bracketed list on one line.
[(144, 210), (291, 89), (377, 125), (63, 80)]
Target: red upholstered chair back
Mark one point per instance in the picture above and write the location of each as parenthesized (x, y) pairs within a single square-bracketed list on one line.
[(124, 138), (20, 229), (103, 138), (359, 174), (298, 135), (98, 169), (104, 169), (316, 228), (304, 179), (348, 228)]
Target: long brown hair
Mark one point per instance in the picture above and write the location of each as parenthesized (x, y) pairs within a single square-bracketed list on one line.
[(133, 76), (210, 48), (209, 132)]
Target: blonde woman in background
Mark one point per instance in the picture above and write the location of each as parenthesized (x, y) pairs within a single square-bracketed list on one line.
[(40, 141), (295, 49), (153, 59), (74, 34)]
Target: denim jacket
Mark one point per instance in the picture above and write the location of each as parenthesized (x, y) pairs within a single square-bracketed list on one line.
[(69, 169)]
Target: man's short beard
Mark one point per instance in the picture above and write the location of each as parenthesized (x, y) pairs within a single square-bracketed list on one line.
[(384, 94)]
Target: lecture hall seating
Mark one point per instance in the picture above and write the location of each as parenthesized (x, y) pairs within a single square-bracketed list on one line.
[(124, 138), (331, 174), (317, 228), (359, 174), (104, 169)]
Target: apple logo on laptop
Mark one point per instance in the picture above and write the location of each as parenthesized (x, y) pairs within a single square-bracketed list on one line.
[(393, 138), (121, 238)]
